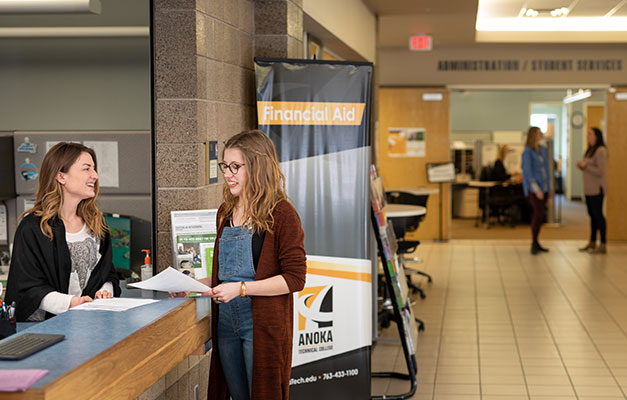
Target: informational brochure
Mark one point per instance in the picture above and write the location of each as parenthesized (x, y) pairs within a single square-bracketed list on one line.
[(193, 236)]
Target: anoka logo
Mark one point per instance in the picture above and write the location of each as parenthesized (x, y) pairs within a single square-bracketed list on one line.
[(315, 307)]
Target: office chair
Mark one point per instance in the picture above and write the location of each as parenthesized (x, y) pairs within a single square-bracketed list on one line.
[(401, 227)]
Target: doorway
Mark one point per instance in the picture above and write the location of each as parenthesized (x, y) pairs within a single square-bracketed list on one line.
[(487, 116)]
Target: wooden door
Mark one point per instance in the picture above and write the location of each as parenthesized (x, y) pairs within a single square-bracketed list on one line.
[(616, 167), (405, 108)]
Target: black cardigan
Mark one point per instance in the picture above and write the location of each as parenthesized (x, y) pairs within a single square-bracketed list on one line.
[(40, 266)]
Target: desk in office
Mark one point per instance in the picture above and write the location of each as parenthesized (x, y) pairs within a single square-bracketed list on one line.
[(114, 355), (403, 211), (415, 190), (402, 215), (486, 185)]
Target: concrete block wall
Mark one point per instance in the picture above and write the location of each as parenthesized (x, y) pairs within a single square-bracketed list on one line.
[(205, 90)]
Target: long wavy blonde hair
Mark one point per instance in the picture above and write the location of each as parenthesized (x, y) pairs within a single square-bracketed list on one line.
[(265, 186), (49, 197)]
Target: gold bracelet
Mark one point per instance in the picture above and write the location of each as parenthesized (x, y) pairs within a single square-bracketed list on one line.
[(242, 292)]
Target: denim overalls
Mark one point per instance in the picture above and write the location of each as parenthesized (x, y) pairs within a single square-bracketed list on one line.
[(235, 318)]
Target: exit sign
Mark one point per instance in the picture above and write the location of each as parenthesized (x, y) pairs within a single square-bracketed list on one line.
[(420, 43)]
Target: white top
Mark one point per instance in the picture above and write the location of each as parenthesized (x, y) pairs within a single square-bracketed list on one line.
[(84, 248), (403, 210), (416, 190)]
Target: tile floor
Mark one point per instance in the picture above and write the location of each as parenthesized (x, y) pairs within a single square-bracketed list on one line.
[(503, 324)]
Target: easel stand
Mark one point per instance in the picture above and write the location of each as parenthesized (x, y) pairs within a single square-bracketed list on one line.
[(441, 214), (410, 359), (440, 173)]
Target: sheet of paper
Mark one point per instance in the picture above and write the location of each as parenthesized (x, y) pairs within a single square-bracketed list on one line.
[(113, 304), (171, 280), (108, 166), (18, 380)]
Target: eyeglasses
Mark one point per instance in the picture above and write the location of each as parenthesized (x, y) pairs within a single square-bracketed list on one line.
[(233, 167)]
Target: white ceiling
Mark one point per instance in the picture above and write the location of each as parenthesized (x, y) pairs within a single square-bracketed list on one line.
[(452, 22)]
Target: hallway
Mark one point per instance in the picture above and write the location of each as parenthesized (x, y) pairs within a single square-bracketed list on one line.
[(503, 324), (575, 226)]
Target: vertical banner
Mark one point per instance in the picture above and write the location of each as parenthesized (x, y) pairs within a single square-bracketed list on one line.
[(317, 113)]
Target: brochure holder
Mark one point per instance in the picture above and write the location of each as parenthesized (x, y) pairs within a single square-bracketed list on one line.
[(396, 287)]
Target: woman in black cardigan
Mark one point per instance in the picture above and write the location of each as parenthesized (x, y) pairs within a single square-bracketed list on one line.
[(62, 250)]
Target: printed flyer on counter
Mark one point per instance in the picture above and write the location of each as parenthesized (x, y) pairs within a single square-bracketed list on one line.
[(193, 236)]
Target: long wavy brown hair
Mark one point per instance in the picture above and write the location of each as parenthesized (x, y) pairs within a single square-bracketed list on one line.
[(49, 197), (265, 186), (531, 138)]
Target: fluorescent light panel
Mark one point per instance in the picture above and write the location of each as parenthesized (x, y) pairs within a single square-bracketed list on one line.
[(490, 18), (74, 31), (570, 24), (49, 6), (580, 95)]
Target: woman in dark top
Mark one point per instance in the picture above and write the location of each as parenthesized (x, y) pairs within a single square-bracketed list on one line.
[(499, 173), (593, 167), (62, 249)]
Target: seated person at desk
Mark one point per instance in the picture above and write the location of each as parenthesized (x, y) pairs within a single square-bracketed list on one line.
[(62, 253), (499, 173)]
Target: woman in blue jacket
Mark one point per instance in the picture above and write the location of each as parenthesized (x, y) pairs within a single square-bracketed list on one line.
[(536, 184)]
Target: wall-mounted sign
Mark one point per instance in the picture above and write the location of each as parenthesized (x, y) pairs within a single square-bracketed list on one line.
[(407, 142), (534, 65), (432, 96), (213, 161), (420, 43), (621, 96)]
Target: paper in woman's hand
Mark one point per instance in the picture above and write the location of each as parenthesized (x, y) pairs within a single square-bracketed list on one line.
[(171, 280)]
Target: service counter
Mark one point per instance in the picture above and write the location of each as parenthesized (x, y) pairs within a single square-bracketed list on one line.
[(114, 355)]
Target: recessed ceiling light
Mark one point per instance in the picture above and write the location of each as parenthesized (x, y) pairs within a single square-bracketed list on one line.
[(530, 12)]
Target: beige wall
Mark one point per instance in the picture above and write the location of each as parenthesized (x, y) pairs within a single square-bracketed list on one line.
[(404, 107), (349, 20)]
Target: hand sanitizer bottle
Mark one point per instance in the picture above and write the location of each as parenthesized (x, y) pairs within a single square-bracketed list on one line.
[(146, 269)]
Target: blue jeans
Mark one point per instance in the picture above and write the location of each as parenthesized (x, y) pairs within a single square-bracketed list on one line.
[(235, 318), (235, 344)]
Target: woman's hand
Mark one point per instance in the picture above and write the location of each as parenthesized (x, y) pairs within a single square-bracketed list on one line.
[(103, 294), (581, 164), (226, 292), (540, 195), (77, 301)]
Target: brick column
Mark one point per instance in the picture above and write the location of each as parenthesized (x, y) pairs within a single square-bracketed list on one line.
[(279, 28), (204, 90)]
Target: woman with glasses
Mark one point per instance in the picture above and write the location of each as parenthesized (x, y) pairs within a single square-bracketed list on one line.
[(259, 261), (62, 255)]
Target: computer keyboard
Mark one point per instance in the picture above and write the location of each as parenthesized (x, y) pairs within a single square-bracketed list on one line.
[(27, 344)]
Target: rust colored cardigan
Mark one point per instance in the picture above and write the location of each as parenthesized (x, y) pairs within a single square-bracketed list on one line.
[(282, 253)]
